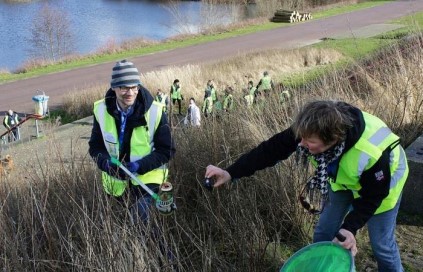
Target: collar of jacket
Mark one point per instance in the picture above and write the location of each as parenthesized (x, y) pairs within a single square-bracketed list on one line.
[(355, 132)]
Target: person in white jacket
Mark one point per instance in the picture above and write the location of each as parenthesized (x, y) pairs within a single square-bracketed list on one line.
[(193, 117)]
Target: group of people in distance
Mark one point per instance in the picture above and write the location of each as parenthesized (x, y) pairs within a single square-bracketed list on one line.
[(213, 105), (361, 167)]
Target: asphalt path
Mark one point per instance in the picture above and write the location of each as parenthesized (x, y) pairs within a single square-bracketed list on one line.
[(17, 95)]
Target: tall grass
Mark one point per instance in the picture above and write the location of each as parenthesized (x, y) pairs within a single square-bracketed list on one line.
[(385, 84), (54, 215), (235, 72)]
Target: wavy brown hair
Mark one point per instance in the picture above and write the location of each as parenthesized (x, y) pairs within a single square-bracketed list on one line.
[(327, 119)]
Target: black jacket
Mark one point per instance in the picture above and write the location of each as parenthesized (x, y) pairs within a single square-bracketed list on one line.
[(163, 145), (282, 145)]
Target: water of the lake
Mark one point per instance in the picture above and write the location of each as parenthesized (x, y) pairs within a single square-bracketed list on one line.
[(94, 23)]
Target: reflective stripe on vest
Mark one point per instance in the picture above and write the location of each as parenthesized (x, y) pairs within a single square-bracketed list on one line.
[(376, 138), (373, 149), (228, 102), (6, 121), (213, 94), (141, 145), (14, 121), (208, 105)]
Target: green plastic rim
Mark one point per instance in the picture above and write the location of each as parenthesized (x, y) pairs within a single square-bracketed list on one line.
[(320, 257)]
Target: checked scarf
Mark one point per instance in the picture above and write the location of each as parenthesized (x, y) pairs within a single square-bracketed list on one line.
[(320, 178)]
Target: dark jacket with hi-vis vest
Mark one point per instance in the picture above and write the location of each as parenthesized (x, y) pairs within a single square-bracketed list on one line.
[(146, 138), (10, 121), (373, 166)]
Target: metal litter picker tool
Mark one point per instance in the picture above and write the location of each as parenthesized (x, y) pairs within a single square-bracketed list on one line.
[(163, 200)]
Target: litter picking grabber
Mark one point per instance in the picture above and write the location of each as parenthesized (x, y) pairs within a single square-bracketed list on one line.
[(164, 199)]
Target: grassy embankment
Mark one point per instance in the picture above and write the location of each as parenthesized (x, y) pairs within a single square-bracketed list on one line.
[(54, 216)]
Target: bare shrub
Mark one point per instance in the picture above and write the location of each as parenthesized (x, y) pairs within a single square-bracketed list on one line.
[(51, 37), (395, 87), (55, 215), (137, 43), (386, 85), (4, 71), (79, 104), (57, 218), (111, 46), (220, 214), (33, 64), (268, 7), (219, 29)]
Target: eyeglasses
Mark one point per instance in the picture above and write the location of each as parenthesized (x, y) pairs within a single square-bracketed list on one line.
[(312, 200), (125, 89)]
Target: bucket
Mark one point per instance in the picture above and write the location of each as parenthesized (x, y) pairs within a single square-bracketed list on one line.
[(320, 257), (41, 101)]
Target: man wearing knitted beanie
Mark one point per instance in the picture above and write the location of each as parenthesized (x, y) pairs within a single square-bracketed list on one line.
[(131, 127)]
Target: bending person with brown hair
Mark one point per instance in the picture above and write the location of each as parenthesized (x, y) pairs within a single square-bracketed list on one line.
[(361, 170)]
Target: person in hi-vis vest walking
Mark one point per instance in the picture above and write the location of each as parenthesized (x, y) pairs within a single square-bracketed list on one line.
[(131, 127), (176, 95), (10, 121)]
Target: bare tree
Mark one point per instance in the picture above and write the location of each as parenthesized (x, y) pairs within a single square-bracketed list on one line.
[(51, 37)]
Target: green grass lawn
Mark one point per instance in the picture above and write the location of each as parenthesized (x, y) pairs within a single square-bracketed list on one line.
[(92, 60), (356, 49), (352, 49), (348, 8)]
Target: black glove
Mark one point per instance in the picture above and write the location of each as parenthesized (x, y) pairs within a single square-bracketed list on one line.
[(113, 170)]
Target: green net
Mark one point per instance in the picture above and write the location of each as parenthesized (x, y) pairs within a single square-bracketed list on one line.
[(320, 257)]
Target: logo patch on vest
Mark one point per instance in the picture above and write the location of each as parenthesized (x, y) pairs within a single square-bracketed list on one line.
[(379, 176)]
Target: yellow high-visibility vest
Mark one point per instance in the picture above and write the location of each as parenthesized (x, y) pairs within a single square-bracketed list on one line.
[(376, 138), (141, 145)]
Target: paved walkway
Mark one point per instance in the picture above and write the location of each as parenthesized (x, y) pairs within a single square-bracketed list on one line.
[(367, 31), (67, 143)]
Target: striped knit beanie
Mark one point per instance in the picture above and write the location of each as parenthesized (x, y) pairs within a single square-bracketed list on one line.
[(125, 74)]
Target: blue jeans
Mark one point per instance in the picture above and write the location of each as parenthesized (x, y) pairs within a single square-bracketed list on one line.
[(143, 203), (381, 229), (140, 212)]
